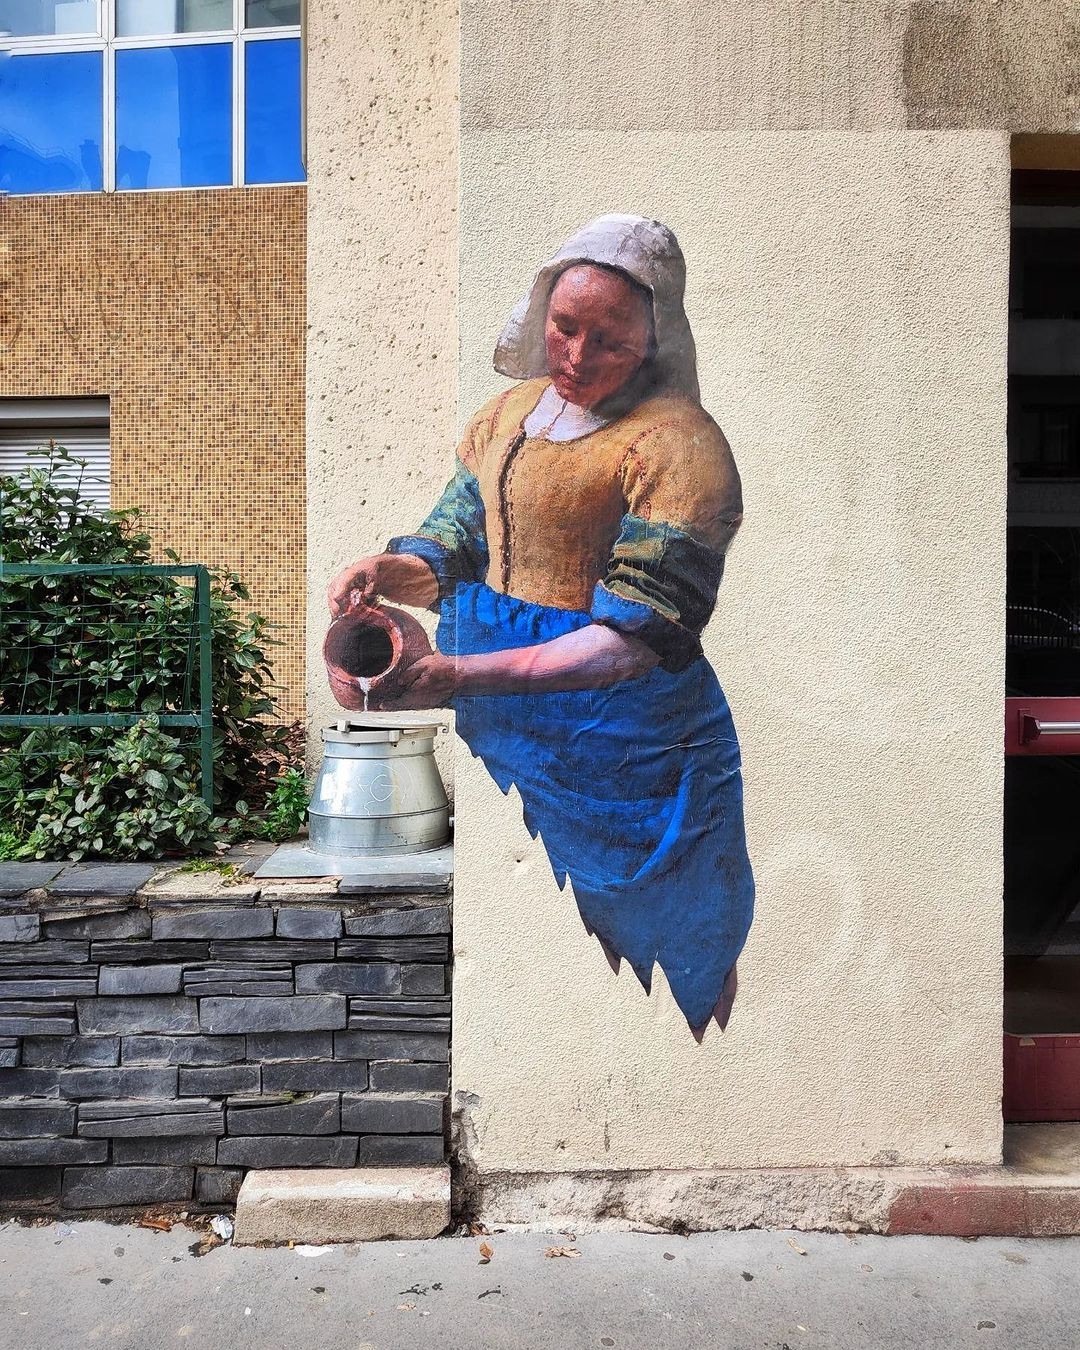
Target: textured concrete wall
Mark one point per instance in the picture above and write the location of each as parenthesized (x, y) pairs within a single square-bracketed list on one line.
[(187, 310), (848, 295), (993, 63), (738, 63), (382, 231), (772, 64)]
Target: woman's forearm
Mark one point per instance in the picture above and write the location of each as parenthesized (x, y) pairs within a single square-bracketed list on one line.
[(595, 657), (406, 579)]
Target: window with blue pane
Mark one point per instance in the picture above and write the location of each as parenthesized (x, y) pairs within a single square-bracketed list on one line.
[(272, 112), (135, 95), (51, 122), (174, 116)]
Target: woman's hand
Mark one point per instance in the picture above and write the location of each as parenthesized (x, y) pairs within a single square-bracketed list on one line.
[(401, 577), (430, 682)]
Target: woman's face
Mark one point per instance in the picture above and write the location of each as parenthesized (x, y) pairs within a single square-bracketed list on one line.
[(597, 335)]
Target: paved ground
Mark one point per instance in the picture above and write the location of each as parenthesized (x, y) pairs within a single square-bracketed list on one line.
[(69, 1285)]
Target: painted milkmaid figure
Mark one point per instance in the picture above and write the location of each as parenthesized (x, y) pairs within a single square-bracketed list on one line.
[(574, 559)]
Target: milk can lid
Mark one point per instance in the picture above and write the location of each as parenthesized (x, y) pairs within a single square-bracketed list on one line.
[(371, 728)]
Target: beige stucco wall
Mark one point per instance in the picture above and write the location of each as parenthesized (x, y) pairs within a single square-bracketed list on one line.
[(771, 64), (848, 295), (382, 268), (848, 292)]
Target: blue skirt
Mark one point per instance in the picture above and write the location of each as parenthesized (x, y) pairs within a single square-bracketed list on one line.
[(636, 792)]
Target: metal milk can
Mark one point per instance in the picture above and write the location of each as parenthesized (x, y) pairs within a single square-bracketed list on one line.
[(378, 790)]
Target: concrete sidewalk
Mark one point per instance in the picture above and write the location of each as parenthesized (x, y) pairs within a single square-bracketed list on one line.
[(67, 1285)]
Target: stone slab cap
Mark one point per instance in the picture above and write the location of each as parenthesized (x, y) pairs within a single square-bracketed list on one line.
[(364, 882), (362, 1204), (249, 855), (179, 886), (111, 880), (298, 860), (16, 878)]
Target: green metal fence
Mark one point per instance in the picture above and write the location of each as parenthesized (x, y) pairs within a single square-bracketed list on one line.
[(82, 649)]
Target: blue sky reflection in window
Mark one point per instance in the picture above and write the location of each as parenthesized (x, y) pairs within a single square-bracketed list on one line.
[(50, 122), (104, 97), (174, 116), (272, 112)]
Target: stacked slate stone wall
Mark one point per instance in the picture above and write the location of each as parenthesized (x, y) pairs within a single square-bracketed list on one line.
[(153, 1052)]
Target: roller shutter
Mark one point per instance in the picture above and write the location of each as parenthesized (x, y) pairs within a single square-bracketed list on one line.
[(22, 432)]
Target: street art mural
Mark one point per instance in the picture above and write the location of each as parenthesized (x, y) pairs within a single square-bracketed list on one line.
[(574, 559)]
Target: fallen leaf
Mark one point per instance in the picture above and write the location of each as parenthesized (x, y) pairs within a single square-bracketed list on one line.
[(562, 1251), (477, 1230), (158, 1225), (205, 1245), (487, 1251), (795, 1247)]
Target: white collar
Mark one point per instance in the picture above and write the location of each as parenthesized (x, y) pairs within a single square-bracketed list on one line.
[(555, 419)]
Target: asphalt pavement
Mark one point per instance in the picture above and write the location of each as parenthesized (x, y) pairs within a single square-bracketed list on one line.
[(95, 1284)]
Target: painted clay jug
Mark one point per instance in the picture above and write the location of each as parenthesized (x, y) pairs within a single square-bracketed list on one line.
[(367, 650)]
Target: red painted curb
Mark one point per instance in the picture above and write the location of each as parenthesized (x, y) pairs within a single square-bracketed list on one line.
[(964, 1209)]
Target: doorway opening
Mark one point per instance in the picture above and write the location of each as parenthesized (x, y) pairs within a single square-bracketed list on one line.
[(1042, 766)]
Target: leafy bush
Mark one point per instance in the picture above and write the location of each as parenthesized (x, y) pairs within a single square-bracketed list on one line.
[(121, 644), (286, 808), (129, 793)]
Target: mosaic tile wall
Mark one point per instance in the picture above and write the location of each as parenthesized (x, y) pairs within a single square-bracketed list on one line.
[(187, 310)]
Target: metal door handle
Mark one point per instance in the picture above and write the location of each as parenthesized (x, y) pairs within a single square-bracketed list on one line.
[(1031, 728)]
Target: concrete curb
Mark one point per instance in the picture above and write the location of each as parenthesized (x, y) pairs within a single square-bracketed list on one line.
[(960, 1202), (351, 1205)]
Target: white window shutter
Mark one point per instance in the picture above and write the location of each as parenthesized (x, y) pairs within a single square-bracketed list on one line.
[(90, 444)]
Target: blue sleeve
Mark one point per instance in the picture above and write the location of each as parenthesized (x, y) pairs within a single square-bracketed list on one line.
[(453, 538), (660, 587)]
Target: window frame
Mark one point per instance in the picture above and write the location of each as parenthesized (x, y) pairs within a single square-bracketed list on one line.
[(106, 42)]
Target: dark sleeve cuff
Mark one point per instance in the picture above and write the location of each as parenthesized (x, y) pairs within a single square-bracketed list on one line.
[(675, 645), (437, 556)]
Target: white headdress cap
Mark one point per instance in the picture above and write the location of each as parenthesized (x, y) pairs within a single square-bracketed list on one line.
[(646, 251)]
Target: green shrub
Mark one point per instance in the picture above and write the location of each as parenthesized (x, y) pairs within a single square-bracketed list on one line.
[(101, 644), (127, 793), (286, 807)]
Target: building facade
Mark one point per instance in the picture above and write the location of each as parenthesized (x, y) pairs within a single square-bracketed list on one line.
[(864, 193), (838, 174), (152, 265)]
